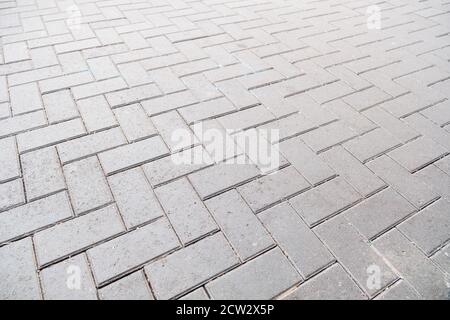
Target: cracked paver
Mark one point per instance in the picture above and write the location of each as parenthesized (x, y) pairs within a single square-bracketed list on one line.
[(102, 103)]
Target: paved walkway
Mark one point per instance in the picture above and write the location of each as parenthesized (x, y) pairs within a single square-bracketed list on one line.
[(93, 204)]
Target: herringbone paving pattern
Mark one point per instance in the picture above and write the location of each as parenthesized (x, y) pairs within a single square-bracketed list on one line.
[(92, 207)]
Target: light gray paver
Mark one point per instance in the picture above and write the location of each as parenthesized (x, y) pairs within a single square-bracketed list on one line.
[(345, 243), (25, 98), (74, 235), (9, 162), (239, 224), (11, 194), (331, 284), (132, 287), (34, 216), (59, 106), (134, 197), (190, 267), (188, 215), (412, 265), (298, 242), (325, 200), (130, 251), (39, 182), (96, 113), (135, 123), (256, 279), (59, 282), (87, 185), (18, 272), (399, 291)]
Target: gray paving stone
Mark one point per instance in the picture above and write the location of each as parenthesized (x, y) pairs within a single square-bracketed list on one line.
[(379, 212), (371, 144), (102, 68), (25, 98), (99, 87), (432, 176), (135, 123), (187, 214), (51, 135), (59, 106), (18, 272), (134, 74), (331, 284), (39, 182), (90, 145), (305, 160), (417, 154), (177, 165), (442, 258), (328, 136), (206, 110), (132, 250), (273, 188), (324, 201), (198, 294), (429, 130), (134, 197), (96, 113), (353, 171), (11, 194), (190, 267), (131, 155), (412, 265), (296, 240), (222, 177), (132, 287), (399, 291), (367, 98), (169, 102), (355, 254), (70, 279), (77, 234), (256, 279), (290, 126), (33, 216), (87, 185), (239, 224), (9, 162), (409, 186), (246, 119), (428, 229)]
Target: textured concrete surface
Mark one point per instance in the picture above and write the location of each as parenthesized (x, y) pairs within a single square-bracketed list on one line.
[(93, 204)]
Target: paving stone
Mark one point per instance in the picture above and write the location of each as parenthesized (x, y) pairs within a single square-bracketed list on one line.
[(428, 229), (188, 215), (133, 95), (412, 265), (296, 240), (167, 81), (239, 224), (70, 279), (305, 160), (33, 216), (134, 122), (222, 177), (97, 88), (355, 254), (256, 279), (328, 136), (198, 294), (65, 81), (59, 106), (417, 154), (13, 52), (25, 98), (442, 258), (409, 186), (206, 110), (132, 250), (190, 267), (246, 119), (11, 194), (273, 188), (429, 130), (169, 102), (132, 287), (131, 155), (237, 94), (176, 134), (102, 68), (87, 185), (379, 212), (96, 113), (134, 197), (439, 113), (289, 126), (367, 98), (324, 201), (76, 235), (50, 135), (9, 162), (371, 144), (201, 87), (39, 182), (18, 272), (399, 291), (353, 171), (90, 145), (433, 177), (331, 284)]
